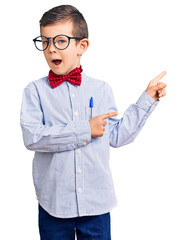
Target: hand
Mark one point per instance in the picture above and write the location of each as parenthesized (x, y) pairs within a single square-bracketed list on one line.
[(97, 124), (155, 88)]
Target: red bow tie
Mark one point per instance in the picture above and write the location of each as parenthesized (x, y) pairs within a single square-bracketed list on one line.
[(74, 77)]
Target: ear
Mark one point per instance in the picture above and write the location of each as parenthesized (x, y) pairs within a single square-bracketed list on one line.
[(82, 46)]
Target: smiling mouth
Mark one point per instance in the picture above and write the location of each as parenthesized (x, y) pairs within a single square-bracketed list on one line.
[(56, 61)]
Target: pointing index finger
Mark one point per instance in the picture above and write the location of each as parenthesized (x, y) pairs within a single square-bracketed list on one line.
[(160, 76), (108, 115)]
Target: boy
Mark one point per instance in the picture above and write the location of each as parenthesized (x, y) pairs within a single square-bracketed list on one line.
[(71, 134)]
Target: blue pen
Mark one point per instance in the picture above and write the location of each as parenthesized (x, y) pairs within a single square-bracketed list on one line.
[(91, 105)]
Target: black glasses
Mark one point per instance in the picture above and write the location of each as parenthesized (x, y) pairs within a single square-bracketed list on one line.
[(61, 42)]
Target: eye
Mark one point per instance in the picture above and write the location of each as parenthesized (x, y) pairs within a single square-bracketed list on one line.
[(61, 41), (44, 42)]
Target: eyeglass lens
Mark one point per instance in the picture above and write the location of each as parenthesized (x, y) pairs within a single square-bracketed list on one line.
[(61, 42)]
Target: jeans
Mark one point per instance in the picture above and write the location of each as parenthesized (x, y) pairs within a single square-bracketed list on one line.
[(87, 227)]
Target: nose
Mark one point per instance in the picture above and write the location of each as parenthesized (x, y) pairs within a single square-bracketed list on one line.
[(51, 46)]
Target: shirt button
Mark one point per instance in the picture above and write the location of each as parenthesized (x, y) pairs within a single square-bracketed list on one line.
[(21, 118), (78, 151), (84, 143), (73, 95), (76, 113), (147, 103), (153, 106), (79, 170), (79, 190)]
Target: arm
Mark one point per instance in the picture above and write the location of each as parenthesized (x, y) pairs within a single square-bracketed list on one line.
[(39, 137), (125, 130)]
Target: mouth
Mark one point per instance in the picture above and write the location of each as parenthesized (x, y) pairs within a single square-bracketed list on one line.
[(56, 62)]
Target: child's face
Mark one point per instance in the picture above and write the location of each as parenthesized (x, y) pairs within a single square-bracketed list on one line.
[(70, 57)]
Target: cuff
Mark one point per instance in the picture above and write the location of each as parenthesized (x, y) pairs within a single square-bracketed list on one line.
[(83, 133), (146, 102)]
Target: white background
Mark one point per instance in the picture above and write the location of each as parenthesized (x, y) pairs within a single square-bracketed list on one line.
[(130, 43)]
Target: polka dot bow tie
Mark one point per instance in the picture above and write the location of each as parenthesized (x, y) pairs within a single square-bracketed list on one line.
[(74, 77)]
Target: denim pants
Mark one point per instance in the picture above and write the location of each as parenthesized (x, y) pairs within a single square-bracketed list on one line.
[(87, 227)]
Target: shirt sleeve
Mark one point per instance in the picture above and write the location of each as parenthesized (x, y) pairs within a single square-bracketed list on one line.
[(123, 131), (56, 138)]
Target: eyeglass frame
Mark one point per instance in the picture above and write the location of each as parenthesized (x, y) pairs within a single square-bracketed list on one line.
[(53, 38)]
